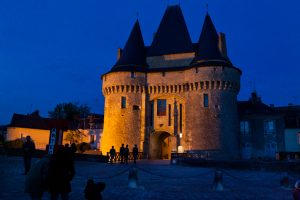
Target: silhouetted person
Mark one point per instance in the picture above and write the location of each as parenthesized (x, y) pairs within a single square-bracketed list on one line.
[(28, 150), (73, 148), (135, 152), (122, 149), (61, 172), (126, 154), (36, 179), (93, 190), (112, 154)]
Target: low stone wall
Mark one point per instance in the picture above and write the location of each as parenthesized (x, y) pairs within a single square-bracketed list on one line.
[(280, 166), (40, 153)]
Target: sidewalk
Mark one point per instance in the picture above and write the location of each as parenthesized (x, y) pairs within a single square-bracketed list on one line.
[(156, 180)]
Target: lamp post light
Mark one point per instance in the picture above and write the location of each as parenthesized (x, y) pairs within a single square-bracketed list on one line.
[(180, 148)]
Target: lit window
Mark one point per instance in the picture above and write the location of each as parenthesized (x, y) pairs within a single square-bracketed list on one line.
[(161, 107), (123, 102), (269, 126), (205, 100), (244, 127)]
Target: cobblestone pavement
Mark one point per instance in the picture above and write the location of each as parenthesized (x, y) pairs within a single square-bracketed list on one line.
[(156, 180)]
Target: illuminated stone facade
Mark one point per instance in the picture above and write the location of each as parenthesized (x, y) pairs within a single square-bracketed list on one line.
[(181, 96)]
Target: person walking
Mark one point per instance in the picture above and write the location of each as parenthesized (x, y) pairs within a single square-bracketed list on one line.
[(112, 154), (126, 154), (61, 172), (28, 151), (122, 149), (36, 179), (135, 152)]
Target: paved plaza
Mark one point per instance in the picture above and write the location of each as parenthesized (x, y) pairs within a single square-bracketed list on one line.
[(156, 180)]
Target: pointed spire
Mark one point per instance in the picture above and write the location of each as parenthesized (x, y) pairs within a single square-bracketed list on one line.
[(208, 44), (133, 56), (172, 35)]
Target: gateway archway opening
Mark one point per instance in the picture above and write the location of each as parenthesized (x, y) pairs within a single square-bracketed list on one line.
[(160, 145)]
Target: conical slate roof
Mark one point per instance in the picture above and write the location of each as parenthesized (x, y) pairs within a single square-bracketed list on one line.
[(172, 35), (133, 56), (208, 45)]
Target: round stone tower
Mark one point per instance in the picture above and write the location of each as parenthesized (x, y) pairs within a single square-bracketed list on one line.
[(216, 124), (123, 89)]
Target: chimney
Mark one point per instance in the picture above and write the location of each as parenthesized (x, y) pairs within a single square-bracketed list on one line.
[(119, 53), (222, 44)]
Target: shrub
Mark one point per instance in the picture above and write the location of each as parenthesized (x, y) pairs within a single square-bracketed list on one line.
[(82, 147), (17, 143)]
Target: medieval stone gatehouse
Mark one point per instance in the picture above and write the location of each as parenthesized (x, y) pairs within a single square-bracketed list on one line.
[(174, 95)]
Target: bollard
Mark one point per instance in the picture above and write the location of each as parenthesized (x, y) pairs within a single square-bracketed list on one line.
[(284, 181), (132, 178), (218, 181), (174, 161)]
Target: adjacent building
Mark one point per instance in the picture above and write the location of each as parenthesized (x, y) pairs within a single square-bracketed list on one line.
[(39, 129)]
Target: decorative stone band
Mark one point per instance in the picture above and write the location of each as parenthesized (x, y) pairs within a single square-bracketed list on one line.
[(176, 88)]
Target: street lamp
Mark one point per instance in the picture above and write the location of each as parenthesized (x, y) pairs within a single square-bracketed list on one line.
[(180, 148)]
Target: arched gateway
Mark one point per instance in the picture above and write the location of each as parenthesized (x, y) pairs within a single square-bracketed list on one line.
[(160, 145)]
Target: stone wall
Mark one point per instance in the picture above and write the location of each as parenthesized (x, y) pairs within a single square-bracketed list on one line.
[(203, 128), (40, 137)]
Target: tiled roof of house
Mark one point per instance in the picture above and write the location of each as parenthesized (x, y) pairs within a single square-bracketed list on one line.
[(37, 122), (254, 106)]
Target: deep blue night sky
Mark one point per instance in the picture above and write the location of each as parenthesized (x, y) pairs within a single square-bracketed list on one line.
[(54, 51)]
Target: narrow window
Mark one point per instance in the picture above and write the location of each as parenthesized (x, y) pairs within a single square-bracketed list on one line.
[(180, 118), (123, 102), (132, 74), (269, 127), (169, 115), (151, 113), (163, 74), (205, 100), (244, 127), (161, 107)]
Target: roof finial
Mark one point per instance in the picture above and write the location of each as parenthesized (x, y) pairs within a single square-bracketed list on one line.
[(206, 6)]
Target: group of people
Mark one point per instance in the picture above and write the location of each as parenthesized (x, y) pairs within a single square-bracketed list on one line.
[(50, 173), (124, 154)]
